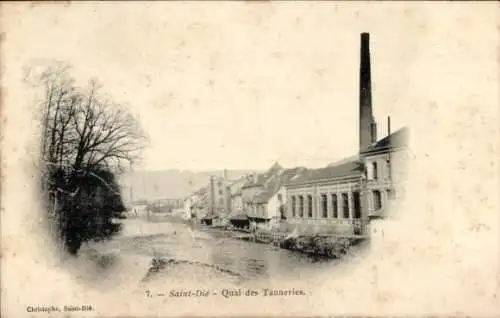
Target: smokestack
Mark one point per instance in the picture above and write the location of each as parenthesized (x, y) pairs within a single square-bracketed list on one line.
[(367, 124), (365, 88), (225, 174), (388, 125), (389, 163), (373, 132)]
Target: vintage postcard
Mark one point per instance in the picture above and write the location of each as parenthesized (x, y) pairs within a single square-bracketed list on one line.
[(275, 158)]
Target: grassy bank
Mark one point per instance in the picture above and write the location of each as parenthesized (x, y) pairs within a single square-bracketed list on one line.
[(324, 246)]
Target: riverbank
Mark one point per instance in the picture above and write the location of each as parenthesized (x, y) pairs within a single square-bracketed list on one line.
[(318, 246), (314, 245), (149, 253)]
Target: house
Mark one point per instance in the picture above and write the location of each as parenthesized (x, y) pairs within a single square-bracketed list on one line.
[(219, 197), (385, 163), (266, 198), (237, 201), (195, 204), (172, 203), (235, 194), (254, 188), (188, 206)]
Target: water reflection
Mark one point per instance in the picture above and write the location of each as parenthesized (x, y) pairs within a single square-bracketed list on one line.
[(217, 250), (250, 261)]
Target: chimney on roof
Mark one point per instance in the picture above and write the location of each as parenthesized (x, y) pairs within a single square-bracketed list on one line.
[(389, 163), (367, 124), (388, 125)]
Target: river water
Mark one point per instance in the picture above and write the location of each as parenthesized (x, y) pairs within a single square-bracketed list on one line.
[(214, 255)]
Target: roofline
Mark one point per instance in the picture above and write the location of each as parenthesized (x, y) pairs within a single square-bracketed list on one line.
[(252, 186), (241, 178), (382, 150), (345, 178)]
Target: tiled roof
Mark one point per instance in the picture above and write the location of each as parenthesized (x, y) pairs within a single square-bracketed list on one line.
[(240, 216), (247, 183), (351, 168), (398, 138), (263, 197), (239, 181), (275, 183), (236, 186), (285, 176), (290, 173), (260, 179)]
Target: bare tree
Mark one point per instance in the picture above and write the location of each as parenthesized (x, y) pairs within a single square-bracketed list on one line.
[(84, 135), (107, 135)]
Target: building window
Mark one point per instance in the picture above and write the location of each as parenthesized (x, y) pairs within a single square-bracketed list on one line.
[(301, 206), (294, 206), (280, 197), (377, 200), (310, 206), (389, 172), (335, 206), (375, 171), (390, 194), (324, 205), (357, 205), (345, 205), (282, 210)]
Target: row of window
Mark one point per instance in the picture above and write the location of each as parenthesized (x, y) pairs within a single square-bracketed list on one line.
[(373, 171), (377, 198), (340, 206)]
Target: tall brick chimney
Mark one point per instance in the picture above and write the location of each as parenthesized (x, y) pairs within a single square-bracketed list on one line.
[(367, 124)]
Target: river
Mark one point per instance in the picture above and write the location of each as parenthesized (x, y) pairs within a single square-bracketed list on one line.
[(213, 255)]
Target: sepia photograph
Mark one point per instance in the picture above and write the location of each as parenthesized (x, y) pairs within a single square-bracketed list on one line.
[(246, 158)]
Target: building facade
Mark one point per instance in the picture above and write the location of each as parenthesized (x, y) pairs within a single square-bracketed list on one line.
[(267, 200), (219, 194), (170, 203), (254, 191), (386, 172), (195, 205), (327, 200), (235, 195)]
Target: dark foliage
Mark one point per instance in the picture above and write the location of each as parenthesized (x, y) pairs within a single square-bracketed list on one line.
[(86, 139), (159, 208), (90, 212), (329, 247)]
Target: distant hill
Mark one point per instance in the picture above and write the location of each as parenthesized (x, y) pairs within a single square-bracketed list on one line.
[(169, 184)]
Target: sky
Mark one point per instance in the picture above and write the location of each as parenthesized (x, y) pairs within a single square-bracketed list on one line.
[(240, 85)]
